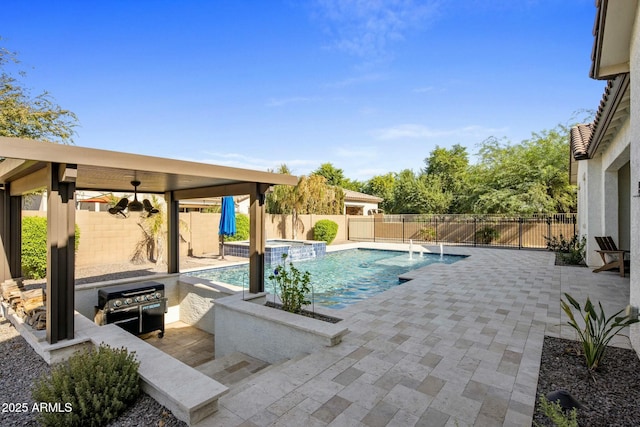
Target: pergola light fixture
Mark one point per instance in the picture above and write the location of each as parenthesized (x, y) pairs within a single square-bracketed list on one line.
[(124, 206)]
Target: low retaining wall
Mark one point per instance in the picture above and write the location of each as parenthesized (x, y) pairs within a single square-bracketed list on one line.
[(268, 334), (189, 394)]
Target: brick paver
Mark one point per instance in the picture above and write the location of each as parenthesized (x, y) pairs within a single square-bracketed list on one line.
[(458, 345)]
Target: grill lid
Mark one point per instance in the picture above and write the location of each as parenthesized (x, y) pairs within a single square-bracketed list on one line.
[(134, 292)]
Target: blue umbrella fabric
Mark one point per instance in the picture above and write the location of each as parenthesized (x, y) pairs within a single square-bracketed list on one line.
[(227, 220)]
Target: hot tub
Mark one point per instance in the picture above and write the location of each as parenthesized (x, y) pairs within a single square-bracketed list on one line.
[(274, 248)]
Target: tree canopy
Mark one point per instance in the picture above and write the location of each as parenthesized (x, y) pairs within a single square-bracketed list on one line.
[(24, 116), (511, 179)]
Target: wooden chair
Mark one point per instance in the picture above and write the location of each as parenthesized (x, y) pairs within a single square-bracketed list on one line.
[(612, 257)]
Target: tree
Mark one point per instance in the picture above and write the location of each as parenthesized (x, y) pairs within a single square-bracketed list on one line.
[(23, 116), (382, 186), (312, 195), (526, 178), (333, 175), (415, 194), (451, 168)]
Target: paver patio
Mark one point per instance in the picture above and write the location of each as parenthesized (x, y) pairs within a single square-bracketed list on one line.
[(458, 345)]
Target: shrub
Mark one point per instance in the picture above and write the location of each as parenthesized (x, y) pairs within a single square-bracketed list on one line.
[(570, 251), (486, 235), (325, 230), (428, 234), (557, 415), (293, 285), (242, 229), (34, 246), (598, 329), (94, 387)]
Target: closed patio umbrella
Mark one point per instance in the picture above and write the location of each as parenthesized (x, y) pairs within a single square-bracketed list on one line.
[(227, 221)]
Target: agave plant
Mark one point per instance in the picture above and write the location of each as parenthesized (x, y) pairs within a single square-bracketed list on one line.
[(598, 329)]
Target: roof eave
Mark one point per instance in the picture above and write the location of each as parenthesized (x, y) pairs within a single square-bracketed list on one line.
[(612, 31)]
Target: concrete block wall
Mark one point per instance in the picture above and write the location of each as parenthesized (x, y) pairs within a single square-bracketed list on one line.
[(108, 240)]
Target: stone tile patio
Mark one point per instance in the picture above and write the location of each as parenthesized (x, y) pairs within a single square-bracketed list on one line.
[(458, 345)]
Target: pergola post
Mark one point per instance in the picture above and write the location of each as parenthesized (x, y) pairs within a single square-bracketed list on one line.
[(61, 218), (10, 234), (173, 233), (257, 239)]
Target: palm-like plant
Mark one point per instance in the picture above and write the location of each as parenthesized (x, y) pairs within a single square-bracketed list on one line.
[(598, 329)]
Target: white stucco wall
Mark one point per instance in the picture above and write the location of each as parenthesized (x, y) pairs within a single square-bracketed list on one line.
[(366, 207), (634, 134)]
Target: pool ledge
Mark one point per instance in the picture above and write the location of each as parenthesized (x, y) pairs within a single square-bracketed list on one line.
[(269, 334)]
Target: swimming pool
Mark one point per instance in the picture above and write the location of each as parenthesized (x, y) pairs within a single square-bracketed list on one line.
[(343, 277)]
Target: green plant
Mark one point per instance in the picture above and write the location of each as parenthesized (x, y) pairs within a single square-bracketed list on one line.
[(486, 235), (293, 284), (325, 230), (555, 413), (242, 229), (34, 246), (94, 386), (598, 329), (571, 251), (428, 234)]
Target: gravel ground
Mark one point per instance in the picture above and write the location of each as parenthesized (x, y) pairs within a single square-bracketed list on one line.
[(610, 397), (20, 366)]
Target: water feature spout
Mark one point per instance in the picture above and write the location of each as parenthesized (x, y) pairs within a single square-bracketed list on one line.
[(441, 251), (410, 249), (421, 252)]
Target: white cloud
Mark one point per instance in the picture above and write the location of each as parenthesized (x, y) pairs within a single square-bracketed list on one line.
[(281, 102), (352, 81), (365, 28), (424, 89), (238, 160), (415, 131)]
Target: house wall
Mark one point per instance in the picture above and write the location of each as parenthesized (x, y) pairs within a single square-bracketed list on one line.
[(634, 133), (366, 207), (603, 195)]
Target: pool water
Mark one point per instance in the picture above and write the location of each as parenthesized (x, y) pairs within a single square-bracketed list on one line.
[(343, 277)]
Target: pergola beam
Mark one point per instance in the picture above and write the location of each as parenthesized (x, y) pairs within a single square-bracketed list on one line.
[(216, 191)]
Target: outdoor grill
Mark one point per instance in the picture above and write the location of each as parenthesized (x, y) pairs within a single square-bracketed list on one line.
[(138, 309)]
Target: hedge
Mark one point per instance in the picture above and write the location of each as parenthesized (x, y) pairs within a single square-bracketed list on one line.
[(325, 230), (34, 246), (242, 229)]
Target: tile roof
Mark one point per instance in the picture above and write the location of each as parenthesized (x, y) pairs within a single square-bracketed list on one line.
[(580, 137), (612, 112), (350, 195)]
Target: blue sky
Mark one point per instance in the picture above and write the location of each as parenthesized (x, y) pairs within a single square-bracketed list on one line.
[(370, 86)]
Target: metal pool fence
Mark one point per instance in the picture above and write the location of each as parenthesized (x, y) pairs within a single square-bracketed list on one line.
[(477, 230)]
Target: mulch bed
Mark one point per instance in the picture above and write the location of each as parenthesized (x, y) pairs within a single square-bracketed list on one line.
[(307, 313), (611, 395), (560, 261)]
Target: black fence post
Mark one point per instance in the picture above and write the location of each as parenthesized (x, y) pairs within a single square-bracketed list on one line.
[(475, 231), (574, 224), (436, 229), (403, 229), (520, 222)]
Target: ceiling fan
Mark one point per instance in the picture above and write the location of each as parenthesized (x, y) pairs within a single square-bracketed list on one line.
[(124, 206)]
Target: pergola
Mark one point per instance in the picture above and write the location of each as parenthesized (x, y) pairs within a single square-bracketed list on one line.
[(28, 165)]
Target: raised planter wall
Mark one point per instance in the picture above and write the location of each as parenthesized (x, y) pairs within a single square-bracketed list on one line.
[(268, 334)]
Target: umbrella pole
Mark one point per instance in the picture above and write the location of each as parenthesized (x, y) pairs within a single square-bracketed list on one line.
[(222, 247)]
